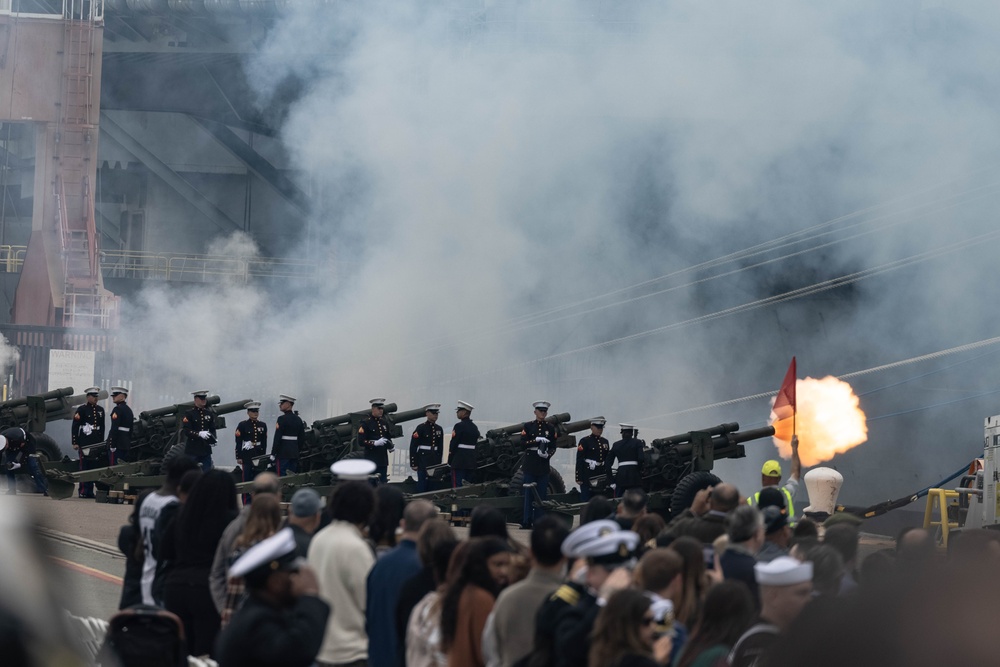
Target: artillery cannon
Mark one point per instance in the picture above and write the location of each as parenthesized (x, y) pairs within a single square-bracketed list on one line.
[(330, 440), (33, 412), (155, 437)]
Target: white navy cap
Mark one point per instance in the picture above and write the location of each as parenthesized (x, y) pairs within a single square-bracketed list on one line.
[(662, 608), (598, 421), (201, 393), (541, 405), (377, 402), (462, 405), (92, 391), (611, 549), (783, 571), (252, 405), (119, 390), (284, 397), (353, 469), (627, 427), (432, 407), (586, 534), (274, 553)]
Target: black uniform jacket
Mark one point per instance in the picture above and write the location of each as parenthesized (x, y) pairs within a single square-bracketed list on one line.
[(120, 438), (88, 414), (591, 448), (573, 627), (629, 455), (462, 448), (533, 463), (372, 429), (289, 434), (253, 431), (20, 444), (426, 445), (260, 635), (197, 420)]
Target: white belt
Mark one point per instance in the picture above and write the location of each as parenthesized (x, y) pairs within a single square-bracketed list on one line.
[(627, 463), (423, 447), (124, 428), (466, 446), (289, 437)]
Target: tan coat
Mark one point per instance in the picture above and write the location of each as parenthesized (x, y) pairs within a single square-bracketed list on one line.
[(514, 615)]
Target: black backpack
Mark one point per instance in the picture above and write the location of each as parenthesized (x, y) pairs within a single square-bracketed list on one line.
[(144, 636)]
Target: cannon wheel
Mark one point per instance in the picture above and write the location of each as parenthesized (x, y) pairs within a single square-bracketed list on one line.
[(47, 448), (691, 484), (556, 483)]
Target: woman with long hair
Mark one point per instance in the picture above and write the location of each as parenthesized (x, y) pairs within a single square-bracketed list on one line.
[(694, 580), (191, 545), (476, 574), (624, 634), (423, 629), (263, 521), (727, 612)]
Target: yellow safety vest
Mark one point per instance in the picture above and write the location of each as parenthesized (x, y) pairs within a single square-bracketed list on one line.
[(790, 506)]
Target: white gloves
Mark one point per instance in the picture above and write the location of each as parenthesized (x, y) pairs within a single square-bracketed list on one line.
[(113, 450), (247, 445), (612, 486), (542, 440), (13, 466), (204, 435), (381, 442), (272, 457), (592, 464), (87, 429), (544, 453)]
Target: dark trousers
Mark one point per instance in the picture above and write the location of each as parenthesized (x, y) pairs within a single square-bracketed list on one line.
[(287, 467), (206, 464), (542, 484), (457, 476), (193, 605), (248, 474), (585, 491), (422, 483), (86, 488), (383, 474), (31, 463)]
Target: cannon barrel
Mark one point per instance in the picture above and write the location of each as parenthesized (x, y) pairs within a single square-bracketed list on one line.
[(34, 411), (576, 427), (513, 429), (407, 415), (146, 415), (682, 438), (346, 418), (728, 439), (54, 394)]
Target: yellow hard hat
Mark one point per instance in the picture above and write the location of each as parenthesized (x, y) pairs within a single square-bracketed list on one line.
[(771, 469)]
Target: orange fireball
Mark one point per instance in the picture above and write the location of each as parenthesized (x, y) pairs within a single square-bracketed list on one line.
[(828, 421)]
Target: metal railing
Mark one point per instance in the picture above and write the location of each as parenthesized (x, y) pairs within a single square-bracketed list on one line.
[(77, 10), (12, 258)]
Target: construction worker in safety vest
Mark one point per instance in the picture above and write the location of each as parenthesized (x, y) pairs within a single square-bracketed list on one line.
[(770, 476)]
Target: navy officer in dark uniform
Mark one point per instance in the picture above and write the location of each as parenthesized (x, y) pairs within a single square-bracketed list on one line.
[(628, 453), (251, 443), (120, 437), (462, 448), (87, 431), (590, 455), (18, 447), (198, 426), (539, 440), (283, 619), (289, 435), (426, 445), (373, 436)]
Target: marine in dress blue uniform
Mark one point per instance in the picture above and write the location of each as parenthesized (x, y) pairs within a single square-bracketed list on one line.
[(462, 448), (18, 447), (289, 435), (590, 455), (538, 438), (628, 453), (251, 443), (198, 426), (120, 437), (426, 446), (88, 430), (373, 436)]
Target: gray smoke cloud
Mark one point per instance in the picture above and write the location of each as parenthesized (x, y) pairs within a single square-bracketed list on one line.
[(487, 171)]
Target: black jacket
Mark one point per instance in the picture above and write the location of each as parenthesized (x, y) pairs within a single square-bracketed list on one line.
[(253, 431), (260, 635), (591, 448), (197, 420), (533, 463), (426, 445), (88, 414), (462, 448), (628, 453), (370, 430), (120, 437), (289, 435)]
